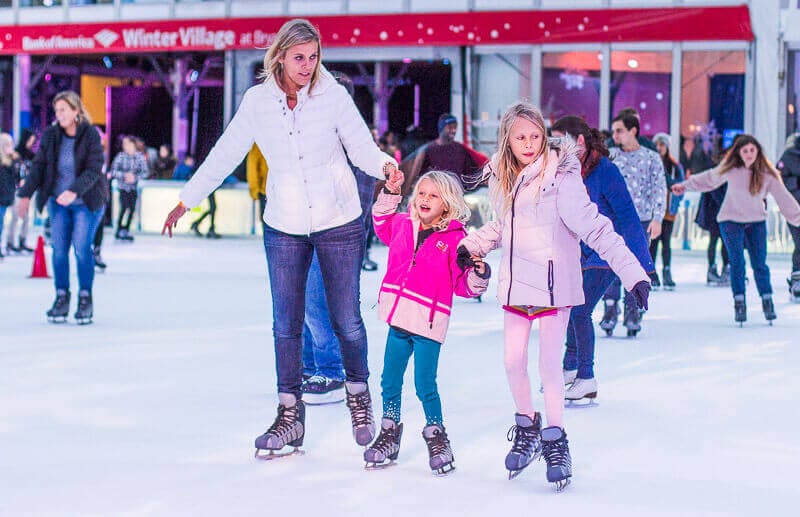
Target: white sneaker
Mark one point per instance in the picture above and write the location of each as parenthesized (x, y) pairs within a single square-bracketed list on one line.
[(569, 376), (582, 389)]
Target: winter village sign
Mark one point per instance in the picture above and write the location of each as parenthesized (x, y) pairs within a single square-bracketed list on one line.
[(430, 29)]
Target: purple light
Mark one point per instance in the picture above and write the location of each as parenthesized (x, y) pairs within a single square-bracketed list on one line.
[(47, 77), (406, 60)]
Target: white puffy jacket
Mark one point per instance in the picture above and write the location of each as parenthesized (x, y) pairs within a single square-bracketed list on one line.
[(310, 186)]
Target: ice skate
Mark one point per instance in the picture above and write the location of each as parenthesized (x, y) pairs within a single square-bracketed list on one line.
[(769, 309), (288, 430), (739, 309), (669, 284), (610, 317), (99, 263), (10, 248), (527, 443), (712, 277), (319, 390), (384, 450), (725, 276), (23, 248), (655, 282), (582, 393), (195, 229), (359, 403), (85, 308), (440, 453), (794, 286), (633, 319), (555, 449), (60, 309)]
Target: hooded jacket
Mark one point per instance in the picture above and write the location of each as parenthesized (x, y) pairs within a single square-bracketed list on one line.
[(416, 294), (540, 230)]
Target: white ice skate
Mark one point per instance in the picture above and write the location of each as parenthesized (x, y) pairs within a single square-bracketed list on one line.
[(569, 378), (582, 393)]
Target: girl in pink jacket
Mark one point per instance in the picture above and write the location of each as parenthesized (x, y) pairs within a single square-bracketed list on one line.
[(543, 212), (415, 299)]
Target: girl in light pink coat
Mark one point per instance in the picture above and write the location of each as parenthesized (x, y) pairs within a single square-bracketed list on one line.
[(543, 212)]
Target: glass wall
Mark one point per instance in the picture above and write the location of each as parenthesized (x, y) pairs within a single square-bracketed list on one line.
[(642, 80), (571, 85)]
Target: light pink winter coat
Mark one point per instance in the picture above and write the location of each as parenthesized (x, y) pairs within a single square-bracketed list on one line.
[(540, 232), (417, 291)]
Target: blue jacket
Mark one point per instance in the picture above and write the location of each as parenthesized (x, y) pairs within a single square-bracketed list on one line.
[(608, 191)]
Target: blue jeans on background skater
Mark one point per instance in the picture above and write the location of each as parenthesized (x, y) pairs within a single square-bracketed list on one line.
[(399, 347), (289, 257), (753, 237), (75, 226), (322, 354), (612, 293), (579, 354)]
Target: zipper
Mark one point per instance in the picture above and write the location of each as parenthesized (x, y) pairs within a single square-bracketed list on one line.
[(511, 246), (550, 281)]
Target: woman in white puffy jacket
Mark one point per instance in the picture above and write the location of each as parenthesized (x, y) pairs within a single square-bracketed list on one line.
[(303, 122)]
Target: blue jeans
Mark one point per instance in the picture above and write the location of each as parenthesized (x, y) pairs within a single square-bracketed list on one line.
[(399, 347), (2, 219), (73, 225), (580, 331), (289, 258), (612, 293), (322, 354), (753, 237)]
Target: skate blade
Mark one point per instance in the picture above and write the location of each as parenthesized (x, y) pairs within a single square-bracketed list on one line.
[(371, 465), (87, 321), (559, 486), (444, 470), (274, 455), (584, 403), (57, 319)]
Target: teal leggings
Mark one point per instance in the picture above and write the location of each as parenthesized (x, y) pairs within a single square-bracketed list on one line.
[(399, 347)]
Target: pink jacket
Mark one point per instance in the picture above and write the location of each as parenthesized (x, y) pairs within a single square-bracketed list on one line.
[(417, 291), (540, 231)]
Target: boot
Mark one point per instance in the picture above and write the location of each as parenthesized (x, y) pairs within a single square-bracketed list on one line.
[(527, 443), (288, 428), (712, 278), (10, 248), (669, 284), (794, 286), (386, 446), (555, 449), (633, 319), (725, 277), (610, 317), (739, 309), (85, 310), (569, 376), (582, 389), (60, 309), (212, 234), (769, 308), (655, 283), (196, 231), (440, 453), (98, 259), (23, 247), (359, 403)]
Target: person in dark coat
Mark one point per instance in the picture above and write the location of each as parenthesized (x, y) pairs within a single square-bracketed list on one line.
[(789, 165), (706, 218), (67, 174)]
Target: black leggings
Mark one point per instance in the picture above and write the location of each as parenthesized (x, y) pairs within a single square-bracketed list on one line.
[(127, 204), (713, 237), (212, 212), (664, 239), (795, 231)]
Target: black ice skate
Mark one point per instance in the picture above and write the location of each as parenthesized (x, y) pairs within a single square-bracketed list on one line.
[(739, 309), (669, 284), (712, 277), (655, 282), (99, 263), (384, 450), (769, 309), (23, 248), (794, 286), (85, 310), (288, 430), (359, 403), (633, 319), (610, 317), (555, 449), (440, 453), (725, 276), (527, 443), (60, 309)]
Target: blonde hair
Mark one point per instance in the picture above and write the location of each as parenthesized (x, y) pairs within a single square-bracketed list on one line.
[(506, 166), (294, 32), (6, 158), (452, 195), (75, 102)]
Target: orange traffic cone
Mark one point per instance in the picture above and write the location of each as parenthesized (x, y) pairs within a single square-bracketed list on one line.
[(39, 261)]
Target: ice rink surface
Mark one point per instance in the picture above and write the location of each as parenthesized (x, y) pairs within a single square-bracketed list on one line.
[(153, 409)]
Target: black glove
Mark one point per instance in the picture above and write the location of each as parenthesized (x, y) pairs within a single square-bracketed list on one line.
[(641, 291), (486, 274), (464, 258)]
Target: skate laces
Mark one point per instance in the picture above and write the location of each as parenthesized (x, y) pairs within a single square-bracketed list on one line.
[(556, 452), (360, 406), (438, 443), (523, 438), (386, 440), (284, 422)]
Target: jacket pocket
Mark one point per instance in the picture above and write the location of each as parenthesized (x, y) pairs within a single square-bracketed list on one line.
[(532, 274)]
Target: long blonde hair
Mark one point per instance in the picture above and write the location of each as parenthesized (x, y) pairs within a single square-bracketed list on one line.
[(6, 141), (294, 32), (75, 102), (452, 195)]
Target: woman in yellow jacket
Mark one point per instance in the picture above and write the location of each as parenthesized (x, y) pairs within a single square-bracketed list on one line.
[(257, 170)]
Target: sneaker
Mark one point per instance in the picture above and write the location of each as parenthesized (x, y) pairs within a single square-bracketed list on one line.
[(321, 390)]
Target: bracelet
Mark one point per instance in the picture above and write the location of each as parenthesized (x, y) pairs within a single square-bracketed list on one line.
[(180, 204)]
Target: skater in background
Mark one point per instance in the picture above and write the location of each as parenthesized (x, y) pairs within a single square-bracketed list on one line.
[(742, 217), (543, 212), (67, 174), (608, 191), (673, 174), (164, 164), (789, 165), (184, 170), (706, 218), (644, 175), (423, 258), (304, 122), (128, 167), (25, 153), (8, 177)]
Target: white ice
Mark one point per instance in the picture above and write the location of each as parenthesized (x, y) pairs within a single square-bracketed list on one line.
[(153, 409)]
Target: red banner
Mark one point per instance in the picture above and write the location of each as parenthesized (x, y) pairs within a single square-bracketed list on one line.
[(437, 29)]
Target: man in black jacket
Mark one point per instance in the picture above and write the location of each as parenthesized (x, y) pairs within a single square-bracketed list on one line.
[(789, 165)]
